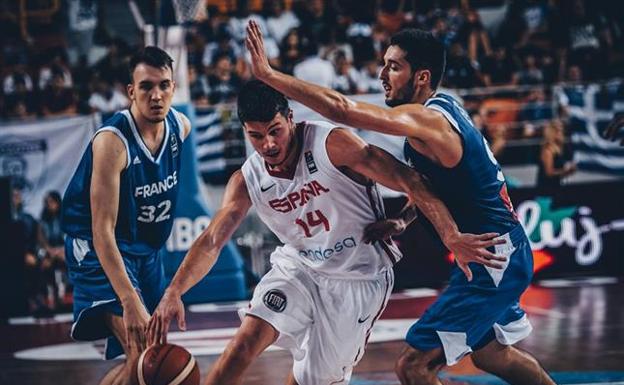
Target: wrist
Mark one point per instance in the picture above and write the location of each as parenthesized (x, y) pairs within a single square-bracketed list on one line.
[(130, 298), (173, 291)]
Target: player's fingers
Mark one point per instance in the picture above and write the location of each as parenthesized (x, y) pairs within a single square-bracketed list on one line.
[(466, 270), (488, 263), (150, 330), (491, 256), (181, 320)]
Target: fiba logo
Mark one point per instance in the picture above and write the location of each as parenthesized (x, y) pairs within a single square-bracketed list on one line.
[(174, 145)]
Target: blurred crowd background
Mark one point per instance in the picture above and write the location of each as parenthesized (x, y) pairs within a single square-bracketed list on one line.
[(512, 63)]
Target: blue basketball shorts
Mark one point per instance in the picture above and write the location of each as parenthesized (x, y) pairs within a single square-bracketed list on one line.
[(469, 315), (94, 296)]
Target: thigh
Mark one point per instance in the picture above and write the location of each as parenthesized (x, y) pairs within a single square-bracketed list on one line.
[(467, 314), (344, 315)]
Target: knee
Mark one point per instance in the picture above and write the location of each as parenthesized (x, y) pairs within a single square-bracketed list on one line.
[(492, 363)]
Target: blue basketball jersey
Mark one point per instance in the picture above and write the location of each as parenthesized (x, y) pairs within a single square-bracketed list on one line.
[(474, 190), (148, 188)]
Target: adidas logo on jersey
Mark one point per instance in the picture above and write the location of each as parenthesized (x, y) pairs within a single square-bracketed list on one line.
[(136, 160)]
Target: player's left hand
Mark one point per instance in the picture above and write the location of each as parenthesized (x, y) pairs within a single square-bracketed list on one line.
[(383, 230), (170, 307), (473, 248), (614, 127), (260, 66)]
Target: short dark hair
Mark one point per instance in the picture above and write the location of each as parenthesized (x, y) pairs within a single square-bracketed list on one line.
[(257, 102), (153, 57), (422, 51)]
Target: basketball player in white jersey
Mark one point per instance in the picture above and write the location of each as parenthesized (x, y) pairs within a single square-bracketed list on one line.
[(312, 184)]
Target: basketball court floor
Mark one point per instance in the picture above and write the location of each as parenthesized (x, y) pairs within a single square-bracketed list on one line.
[(578, 336)]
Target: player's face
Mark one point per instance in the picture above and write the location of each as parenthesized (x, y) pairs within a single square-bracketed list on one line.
[(151, 91), (397, 77), (273, 139)]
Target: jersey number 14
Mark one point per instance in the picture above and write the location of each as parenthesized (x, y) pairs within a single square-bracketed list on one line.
[(314, 218)]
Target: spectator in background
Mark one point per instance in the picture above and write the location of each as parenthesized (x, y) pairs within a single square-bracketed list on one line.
[(21, 103), (530, 73), (555, 162), (368, 82), (291, 51), (57, 99), (82, 20), (18, 74), (27, 236), (55, 64), (313, 68), (52, 242), (279, 20), (535, 112), (223, 45), (114, 65), (346, 79), (460, 72), (499, 67), (587, 40), (223, 84), (198, 86), (475, 36), (316, 17), (106, 98)]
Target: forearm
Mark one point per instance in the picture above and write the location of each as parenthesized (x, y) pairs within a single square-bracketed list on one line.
[(435, 210), (198, 261), (204, 252), (111, 260)]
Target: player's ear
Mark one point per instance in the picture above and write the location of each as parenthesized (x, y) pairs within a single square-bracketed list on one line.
[(290, 115), (130, 90), (423, 77)]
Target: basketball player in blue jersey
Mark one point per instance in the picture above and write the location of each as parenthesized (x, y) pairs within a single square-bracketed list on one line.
[(479, 312), (118, 211)]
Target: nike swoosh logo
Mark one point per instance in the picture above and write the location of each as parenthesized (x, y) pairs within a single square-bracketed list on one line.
[(360, 320), (263, 189)]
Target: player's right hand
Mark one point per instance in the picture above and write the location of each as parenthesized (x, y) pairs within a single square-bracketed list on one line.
[(135, 319), (383, 230), (260, 66), (170, 307)]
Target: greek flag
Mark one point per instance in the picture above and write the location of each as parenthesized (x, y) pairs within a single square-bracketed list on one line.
[(590, 108), (220, 143)]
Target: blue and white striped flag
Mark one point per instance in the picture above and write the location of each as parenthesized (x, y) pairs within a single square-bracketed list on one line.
[(591, 107), (220, 143)]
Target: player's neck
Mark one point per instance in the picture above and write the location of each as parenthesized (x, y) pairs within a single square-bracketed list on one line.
[(422, 95), (147, 129)]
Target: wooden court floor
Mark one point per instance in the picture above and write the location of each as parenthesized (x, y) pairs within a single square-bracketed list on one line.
[(578, 336)]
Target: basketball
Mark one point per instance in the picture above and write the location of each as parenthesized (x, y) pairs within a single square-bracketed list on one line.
[(166, 364)]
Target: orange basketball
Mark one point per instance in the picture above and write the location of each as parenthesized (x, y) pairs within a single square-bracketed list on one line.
[(166, 365)]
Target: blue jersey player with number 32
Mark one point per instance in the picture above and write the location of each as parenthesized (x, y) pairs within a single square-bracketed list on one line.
[(118, 211), (478, 313)]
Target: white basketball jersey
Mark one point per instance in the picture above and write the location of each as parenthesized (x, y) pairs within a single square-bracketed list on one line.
[(320, 214)]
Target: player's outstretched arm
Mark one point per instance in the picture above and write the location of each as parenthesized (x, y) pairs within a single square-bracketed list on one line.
[(109, 160), (201, 257), (345, 149), (411, 120)]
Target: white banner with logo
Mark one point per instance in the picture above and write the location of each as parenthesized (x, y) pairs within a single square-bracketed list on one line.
[(42, 155)]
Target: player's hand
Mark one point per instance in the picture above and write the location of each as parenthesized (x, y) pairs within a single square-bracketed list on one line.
[(473, 248), (135, 319), (260, 66), (170, 307), (383, 230), (614, 127)]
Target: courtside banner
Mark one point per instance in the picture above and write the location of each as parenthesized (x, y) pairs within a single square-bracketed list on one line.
[(579, 231), (42, 155)]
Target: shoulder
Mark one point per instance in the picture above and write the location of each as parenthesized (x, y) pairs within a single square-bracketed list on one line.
[(110, 146), (184, 121)]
